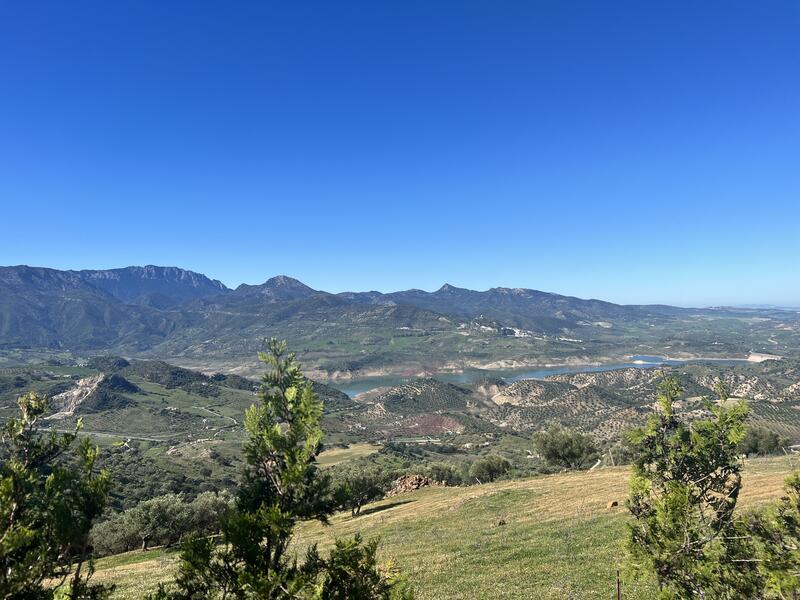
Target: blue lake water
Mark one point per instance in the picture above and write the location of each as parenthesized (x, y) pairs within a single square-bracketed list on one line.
[(354, 387)]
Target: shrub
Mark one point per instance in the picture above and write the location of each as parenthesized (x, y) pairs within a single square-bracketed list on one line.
[(489, 468), (761, 441), (684, 489), (445, 473), (777, 534), (565, 448), (161, 521)]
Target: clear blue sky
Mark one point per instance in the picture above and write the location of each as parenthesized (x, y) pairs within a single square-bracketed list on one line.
[(632, 151)]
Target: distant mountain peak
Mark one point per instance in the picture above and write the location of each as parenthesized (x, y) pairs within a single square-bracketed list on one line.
[(278, 288), (447, 288), (284, 281)]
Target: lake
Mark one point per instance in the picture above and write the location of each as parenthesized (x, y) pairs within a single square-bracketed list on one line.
[(354, 387)]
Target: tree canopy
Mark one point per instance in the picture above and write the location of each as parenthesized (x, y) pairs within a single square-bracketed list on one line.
[(565, 448), (684, 488), (50, 493), (281, 485)]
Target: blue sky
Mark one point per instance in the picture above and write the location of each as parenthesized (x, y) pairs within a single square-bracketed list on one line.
[(631, 151)]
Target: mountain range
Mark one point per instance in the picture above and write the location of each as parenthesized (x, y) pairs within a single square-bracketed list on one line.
[(172, 312)]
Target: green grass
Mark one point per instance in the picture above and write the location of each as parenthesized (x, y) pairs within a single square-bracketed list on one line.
[(336, 456), (559, 540)]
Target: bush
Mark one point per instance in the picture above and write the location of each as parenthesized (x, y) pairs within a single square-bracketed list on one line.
[(565, 448), (776, 530), (489, 468), (352, 573), (761, 441), (684, 489), (445, 473)]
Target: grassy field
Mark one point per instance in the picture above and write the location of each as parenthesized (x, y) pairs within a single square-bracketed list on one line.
[(559, 540), (336, 456)]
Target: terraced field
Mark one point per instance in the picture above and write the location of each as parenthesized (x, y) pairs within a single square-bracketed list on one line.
[(548, 537)]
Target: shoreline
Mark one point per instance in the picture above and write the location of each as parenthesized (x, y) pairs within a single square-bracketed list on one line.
[(515, 365)]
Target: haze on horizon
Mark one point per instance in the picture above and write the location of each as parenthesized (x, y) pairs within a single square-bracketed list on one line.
[(621, 151)]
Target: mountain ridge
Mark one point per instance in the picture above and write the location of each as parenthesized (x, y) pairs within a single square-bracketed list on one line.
[(139, 285), (167, 312)]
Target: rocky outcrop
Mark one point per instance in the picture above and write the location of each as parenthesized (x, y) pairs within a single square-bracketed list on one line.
[(92, 394), (66, 403), (409, 483)]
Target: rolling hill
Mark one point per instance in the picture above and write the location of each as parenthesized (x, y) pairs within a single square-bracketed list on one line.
[(510, 539), (167, 428), (186, 317)]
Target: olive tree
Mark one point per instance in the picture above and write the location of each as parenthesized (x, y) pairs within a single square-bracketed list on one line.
[(489, 468), (565, 447), (356, 486)]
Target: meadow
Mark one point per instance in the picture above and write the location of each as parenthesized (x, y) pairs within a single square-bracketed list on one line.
[(549, 537)]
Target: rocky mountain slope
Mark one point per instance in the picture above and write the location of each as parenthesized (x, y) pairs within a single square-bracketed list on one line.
[(161, 287), (165, 312), (46, 308)]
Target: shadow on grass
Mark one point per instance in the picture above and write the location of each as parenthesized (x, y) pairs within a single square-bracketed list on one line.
[(382, 507)]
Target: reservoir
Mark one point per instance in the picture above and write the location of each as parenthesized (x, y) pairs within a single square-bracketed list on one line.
[(353, 387)]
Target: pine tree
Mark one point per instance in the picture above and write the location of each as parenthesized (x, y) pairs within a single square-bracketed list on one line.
[(684, 490), (281, 485), (777, 531), (48, 500)]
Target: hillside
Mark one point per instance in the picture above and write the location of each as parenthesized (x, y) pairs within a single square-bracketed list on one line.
[(186, 317), (49, 309), (522, 539), (181, 421), (160, 287), (165, 428), (601, 403), (161, 428)]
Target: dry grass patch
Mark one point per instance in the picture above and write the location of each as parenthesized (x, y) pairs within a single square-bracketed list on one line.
[(336, 456), (558, 539)]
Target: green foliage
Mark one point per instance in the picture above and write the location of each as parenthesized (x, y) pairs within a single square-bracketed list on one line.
[(760, 441), (138, 477), (777, 534), (489, 468), (281, 486), (352, 573), (161, 518), (684, 489), (446, 473), (356, 486), (565, 448), (161, 521), (48, 500)]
